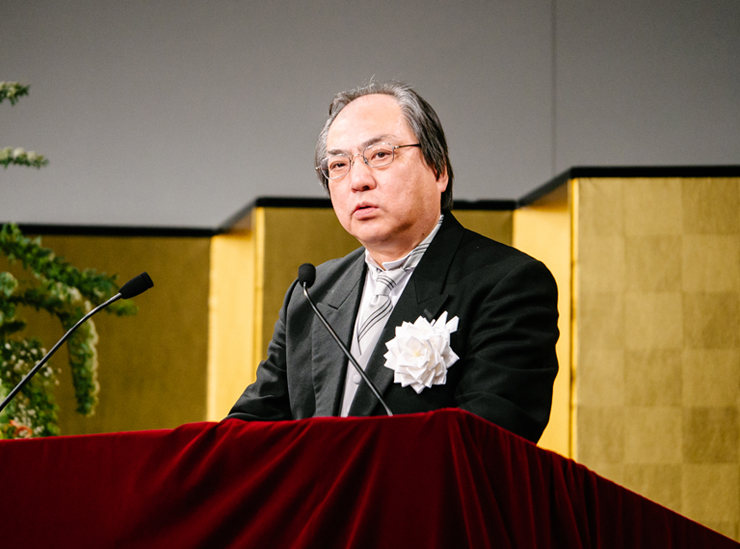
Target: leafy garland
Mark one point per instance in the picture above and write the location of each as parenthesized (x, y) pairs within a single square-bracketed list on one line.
[(63, 291)]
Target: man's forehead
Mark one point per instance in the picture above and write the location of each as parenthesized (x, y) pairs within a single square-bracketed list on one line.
[(366, 120), (382, 138)]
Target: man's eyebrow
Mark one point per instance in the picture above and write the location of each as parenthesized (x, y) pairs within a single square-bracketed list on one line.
[(365, 144)]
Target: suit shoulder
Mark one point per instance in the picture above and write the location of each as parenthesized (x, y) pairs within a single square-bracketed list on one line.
[(481, 258), (476, 247)]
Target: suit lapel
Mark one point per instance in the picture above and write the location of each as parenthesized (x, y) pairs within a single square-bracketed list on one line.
[(424, 295), (329, 363)]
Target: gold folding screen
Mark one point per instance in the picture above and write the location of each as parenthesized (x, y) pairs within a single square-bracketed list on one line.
[(656, 264)]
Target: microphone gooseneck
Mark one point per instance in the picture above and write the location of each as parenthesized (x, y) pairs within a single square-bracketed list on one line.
[(306, 278), (132, 288)]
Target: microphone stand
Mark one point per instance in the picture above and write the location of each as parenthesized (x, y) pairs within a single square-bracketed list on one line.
[(342, 346)]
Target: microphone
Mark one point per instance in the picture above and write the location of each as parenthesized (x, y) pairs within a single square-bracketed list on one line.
[(306, 275), (306, 278), (135, 286), (132, 288)]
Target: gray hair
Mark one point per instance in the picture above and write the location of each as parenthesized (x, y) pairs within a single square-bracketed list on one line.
[(421, 118)]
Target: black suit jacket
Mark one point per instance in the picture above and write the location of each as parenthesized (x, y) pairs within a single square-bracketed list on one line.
[(507, 305)]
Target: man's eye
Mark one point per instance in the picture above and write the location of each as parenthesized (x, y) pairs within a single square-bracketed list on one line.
[(338, 164), (379, 155)]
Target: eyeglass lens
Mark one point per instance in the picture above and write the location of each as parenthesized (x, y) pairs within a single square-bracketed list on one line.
[(375, 156)]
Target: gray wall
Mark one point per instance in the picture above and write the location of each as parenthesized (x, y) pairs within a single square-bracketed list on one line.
[(180, 113)]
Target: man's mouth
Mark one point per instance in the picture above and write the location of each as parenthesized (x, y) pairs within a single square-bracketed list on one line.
[(361, 210)]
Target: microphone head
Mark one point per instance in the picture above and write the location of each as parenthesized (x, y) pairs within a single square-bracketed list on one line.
[(136, 286), (306, 275)]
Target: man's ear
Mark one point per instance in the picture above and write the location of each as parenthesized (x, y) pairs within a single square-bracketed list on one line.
[(442, 180)]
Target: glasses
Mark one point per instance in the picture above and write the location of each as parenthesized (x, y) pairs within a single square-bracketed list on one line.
[(374, 156)]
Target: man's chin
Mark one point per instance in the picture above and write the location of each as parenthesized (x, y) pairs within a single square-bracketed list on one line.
[(366, 229), (371, 238)]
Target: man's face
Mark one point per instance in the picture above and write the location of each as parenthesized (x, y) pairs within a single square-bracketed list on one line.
[(390, 209)]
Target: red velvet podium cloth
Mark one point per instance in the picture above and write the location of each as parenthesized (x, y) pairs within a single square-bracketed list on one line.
[(443, 479)]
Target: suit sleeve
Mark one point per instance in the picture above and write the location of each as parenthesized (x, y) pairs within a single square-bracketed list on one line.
[(267, 399), (510, 364)]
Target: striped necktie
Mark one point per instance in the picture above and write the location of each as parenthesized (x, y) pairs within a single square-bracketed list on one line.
[(376, 313)]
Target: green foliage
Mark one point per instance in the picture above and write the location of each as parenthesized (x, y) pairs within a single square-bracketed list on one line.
[(60, 278), (12, 91), (18, 156), (66, 293), (32, 413)]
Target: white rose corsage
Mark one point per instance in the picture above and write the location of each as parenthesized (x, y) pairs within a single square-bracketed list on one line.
[(420, 354)]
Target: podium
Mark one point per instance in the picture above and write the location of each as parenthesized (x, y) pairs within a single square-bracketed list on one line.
[(440, 479)]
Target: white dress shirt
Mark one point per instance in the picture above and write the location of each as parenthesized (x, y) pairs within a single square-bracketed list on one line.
[(353, 379)]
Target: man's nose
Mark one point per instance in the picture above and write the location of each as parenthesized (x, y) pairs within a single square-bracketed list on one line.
[(361, 175)]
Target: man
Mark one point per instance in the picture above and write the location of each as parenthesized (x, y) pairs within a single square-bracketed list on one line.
[(383, 158)]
